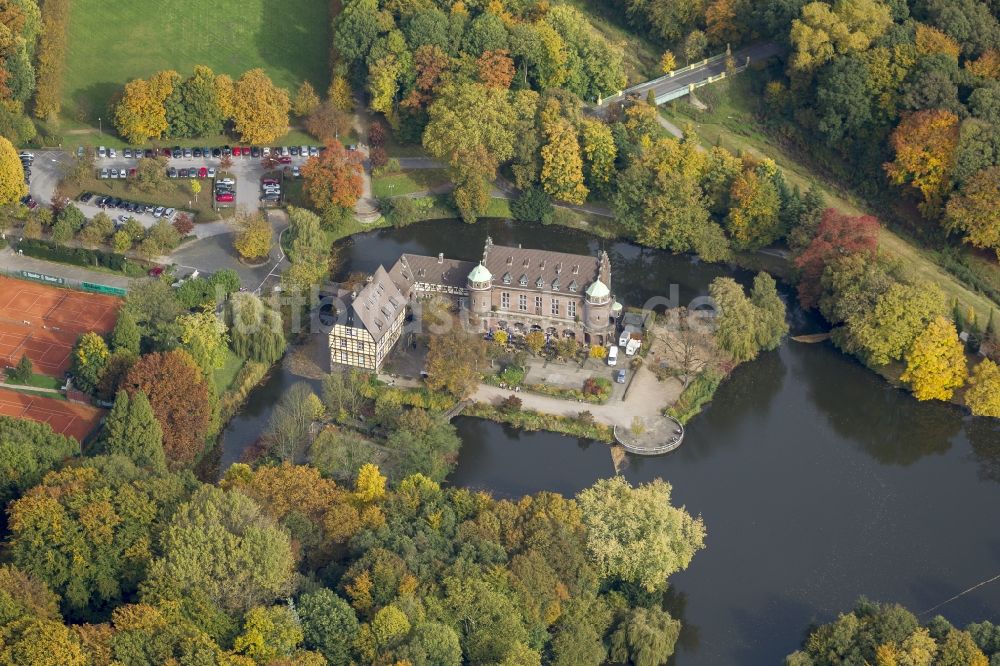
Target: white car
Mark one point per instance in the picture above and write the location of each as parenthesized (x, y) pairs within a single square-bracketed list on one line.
[(265, 151), (169, 212), (211, 172), (112, 153), (313, 151), (158, 211), (114, 173), (632, 347), (613, 355), (102, 151)]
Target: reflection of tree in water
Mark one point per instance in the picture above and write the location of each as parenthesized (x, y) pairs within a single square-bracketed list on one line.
[(675, 602), (984, 436), (888, 423)]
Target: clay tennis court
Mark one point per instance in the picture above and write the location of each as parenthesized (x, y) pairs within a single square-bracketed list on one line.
[(44, 322), (67, 418)]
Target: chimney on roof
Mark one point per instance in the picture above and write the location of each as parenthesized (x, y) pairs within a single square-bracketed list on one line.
[(440, 257), (541, 264), (518, 246), (368, 280)]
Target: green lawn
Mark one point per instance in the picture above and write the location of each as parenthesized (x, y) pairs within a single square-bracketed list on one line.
[(223, 377), (730, 124), (113, 42), (407, 182), (41, 381)]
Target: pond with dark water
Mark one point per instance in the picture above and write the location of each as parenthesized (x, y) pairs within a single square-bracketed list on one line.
[(818, 482)]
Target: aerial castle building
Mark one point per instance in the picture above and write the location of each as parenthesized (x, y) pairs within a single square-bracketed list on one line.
[(510, 288)]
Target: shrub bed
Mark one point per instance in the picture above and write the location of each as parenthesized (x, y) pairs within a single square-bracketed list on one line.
[(532, 420), (698, 394), (421, 397)]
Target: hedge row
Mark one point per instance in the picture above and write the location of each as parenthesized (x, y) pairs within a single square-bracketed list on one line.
[(421, 397), (77, 256), (51, 58)]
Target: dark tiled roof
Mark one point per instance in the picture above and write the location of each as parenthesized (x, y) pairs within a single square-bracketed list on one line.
[(433, 270), (378, 304), (543, 267)]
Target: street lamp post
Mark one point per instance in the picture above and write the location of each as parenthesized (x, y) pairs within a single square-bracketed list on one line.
[(100, 126)]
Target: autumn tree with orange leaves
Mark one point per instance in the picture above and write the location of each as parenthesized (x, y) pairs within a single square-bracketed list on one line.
[(925, 143), (495, 68), (333, 178), (838, 235), (180, 400)]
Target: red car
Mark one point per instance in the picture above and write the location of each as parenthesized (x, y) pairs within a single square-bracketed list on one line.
[(166, 152), (285, 159), (203, 172), (224, 198), (270, 181), (236, 151)]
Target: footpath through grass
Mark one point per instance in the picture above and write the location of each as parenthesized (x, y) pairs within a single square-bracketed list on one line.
[(730, 124), (111, 42)]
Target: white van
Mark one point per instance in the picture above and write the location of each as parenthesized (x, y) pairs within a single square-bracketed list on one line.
[(613, 355), (632, 347)]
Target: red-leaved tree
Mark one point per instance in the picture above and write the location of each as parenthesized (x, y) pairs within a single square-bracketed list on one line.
[(179, 398), (333, 178), (838, 235)]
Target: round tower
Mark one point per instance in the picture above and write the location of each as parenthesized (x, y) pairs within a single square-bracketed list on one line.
[(597, 306), (480, 283)]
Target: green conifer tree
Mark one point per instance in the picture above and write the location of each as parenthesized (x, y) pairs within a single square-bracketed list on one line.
[(133, 431), (126, 336)]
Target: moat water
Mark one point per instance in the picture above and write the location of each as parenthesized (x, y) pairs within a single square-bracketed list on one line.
[(817, 481)]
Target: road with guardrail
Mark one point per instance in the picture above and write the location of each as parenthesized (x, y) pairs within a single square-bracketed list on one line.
[(682, 81)]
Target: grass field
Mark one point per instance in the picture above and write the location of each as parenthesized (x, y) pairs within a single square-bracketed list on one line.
[(113, 42), (730, 124), (407, 182), (224, 376)]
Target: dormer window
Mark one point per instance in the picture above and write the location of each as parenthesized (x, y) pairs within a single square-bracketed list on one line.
[(555, 284), (524, 280), (573, 286), (539, 282), (506, 278)]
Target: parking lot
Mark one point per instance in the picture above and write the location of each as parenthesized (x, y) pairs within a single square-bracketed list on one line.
[(49, 165)]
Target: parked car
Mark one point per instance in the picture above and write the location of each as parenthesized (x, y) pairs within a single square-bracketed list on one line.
[(227, 181), (285, 159), (254, 151), (206, 152), (150, 153), (265, 151), (113, 174), (237, 151), (187, 153), (105, 173), (122, 219), (313, 151), (227, 151), (112, 153), (203, 172), (304, 151), (225, 198), (158, 211), (196, 152), (169, 213), (211, 172), (166, 152), (24, 154), (620, 377), (86, 196), (613, 355), (183, 173), (102, 151), (295, 172), (269, 181), (193, 173), (216, 152), (171, 172), (293, 151)]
